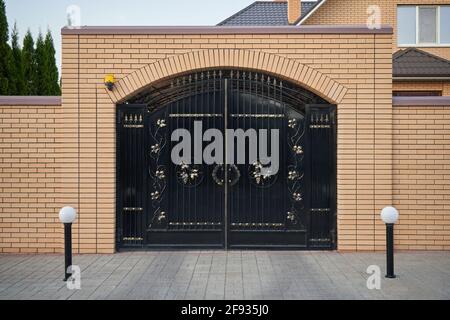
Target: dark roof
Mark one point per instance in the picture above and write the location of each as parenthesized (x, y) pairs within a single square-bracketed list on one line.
[(413, 62), (265, 13)]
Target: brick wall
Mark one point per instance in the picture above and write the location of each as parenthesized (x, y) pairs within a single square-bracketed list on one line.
[(294, 10), (338, 12), (53, 156), (361, 63), (29, 179), (421, 176)]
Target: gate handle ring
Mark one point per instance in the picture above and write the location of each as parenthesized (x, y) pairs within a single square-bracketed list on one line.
[(231, 180)]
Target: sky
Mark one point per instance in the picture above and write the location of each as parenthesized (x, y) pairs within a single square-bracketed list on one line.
[(51, 14)]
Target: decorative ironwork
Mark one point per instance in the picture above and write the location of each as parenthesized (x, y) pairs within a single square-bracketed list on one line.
[(133, 121), (295, 174), (248, 224), (218, 174), (155, 195), (131, 204), (210, 82), (261, 175), (320, 121), (320, 240), (257, 115), (189, 175), (161, 123), (292, 216), (322, 188), (161, 216), (292, 123), (297, 196), (195, 223), (297, 149), (155, 148), (132, 238), (226, 99), (320, 210), (158, 172), (195, 115), (126, 209)]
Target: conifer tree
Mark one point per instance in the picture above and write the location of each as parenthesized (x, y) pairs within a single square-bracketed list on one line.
[(4, 51), (46, 66), (30, 70), (17, 76), (29, 65), (10, 72), (43, 77), (51, 68)]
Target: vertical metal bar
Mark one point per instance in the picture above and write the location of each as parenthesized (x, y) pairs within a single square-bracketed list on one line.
[(225, 166), (390, 250), (191, 122), (127, 195), (180, 217), (135, 179), (119, 180), (253, 217), (307, 167), (142, 177), (67, 249), (145, 176)]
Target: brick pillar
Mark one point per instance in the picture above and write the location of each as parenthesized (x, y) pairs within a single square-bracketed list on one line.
[(294, 10)]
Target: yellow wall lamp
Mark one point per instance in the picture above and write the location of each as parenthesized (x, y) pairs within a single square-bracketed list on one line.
[(109, 81)]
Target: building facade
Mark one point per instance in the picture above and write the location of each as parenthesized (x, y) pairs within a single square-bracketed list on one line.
[(348, 147)]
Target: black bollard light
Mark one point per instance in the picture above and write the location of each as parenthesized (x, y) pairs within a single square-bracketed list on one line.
[(389, 215), (67, 215)]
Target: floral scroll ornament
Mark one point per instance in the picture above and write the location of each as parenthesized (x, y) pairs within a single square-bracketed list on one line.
[(155, 148), (260, 175), (295, 172), (293, 175), (297, 196), (292, 123), (161, 123), (158, 173), (155, 195), (292, 216), (297, 149), (161, 216), (189, 175)]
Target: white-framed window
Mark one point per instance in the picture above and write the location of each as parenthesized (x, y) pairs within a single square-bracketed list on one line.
[(423, 26)]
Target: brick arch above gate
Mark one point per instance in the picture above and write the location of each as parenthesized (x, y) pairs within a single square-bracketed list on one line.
[(276, 65)]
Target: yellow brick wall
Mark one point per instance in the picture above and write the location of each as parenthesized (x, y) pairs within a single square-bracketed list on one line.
[(359, 62), (294, 10), (421, 176), (355, 12), (54, 156), (422, 85), (29, 180)]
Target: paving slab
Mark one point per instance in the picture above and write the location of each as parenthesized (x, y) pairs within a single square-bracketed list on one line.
[(234, 275)]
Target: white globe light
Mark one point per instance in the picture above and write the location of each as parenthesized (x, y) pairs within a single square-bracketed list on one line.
[(389, 215), (67, 215)]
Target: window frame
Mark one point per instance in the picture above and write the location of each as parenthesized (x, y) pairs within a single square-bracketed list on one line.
[(438, 29)]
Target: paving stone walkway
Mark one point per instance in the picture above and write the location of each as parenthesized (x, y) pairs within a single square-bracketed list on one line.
[(226, 275)]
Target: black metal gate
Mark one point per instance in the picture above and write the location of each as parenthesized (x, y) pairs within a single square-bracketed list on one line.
[(226, 203)]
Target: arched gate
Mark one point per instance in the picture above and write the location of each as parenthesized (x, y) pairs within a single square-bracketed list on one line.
[(226, 204)]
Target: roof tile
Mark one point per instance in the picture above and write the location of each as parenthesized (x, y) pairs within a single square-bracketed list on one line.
[(265, 13), (413, 62)]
